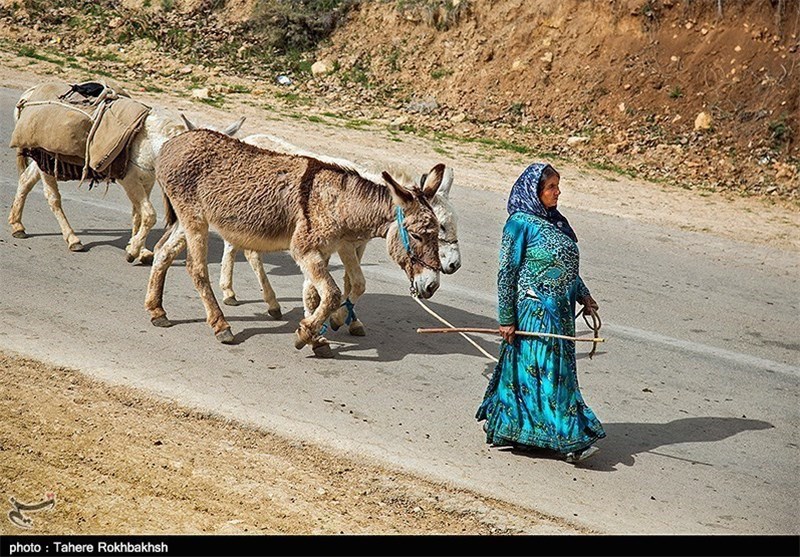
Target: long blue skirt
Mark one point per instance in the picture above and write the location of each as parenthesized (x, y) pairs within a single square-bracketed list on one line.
[(533, 397)]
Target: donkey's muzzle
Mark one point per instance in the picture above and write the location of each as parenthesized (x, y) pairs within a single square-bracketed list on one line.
[(426, 283), (450, 268), (429, 290)]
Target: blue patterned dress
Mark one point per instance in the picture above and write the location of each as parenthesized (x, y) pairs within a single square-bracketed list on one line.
[(533, 396)]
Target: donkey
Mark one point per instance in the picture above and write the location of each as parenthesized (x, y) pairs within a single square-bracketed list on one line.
[(263, 201), (350, 253), (138, 182)]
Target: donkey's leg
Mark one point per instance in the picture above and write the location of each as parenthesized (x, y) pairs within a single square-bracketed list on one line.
[(165, 236), (165, 255), (310, 294), (357, 285), (226, 274), (197, 266), (354, 284), (136, 222), (274, 308), (316, 271), (310, 297), (54, 200), (134, 186), (27, 179)]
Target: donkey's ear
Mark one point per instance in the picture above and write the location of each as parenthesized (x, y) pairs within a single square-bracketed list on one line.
[(433, 180), (189, 125), (400, 194), (444, 189), (233, 128)]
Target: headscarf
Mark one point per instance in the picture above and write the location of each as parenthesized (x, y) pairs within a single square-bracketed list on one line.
[(524, 197)]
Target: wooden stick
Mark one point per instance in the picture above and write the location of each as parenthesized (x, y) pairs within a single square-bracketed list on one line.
[(497, 332)]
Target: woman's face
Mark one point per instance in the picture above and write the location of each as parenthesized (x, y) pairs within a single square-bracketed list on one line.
[(550, 192)]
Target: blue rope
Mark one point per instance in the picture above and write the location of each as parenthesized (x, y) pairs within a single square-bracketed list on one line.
[(401, 227), (351, 314), (324, 329)]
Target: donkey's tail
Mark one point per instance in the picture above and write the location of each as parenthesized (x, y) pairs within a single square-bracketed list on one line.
[(169, 211), (170, 221), (22, 162)]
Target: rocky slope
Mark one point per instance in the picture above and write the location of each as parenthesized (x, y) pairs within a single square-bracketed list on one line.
[(667, 90)]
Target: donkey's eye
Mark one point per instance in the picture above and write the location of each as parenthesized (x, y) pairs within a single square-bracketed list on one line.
[(417, 237)]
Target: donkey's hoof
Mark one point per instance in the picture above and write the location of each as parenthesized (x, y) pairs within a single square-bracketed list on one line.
[(130, 258), (20, 234), (161, 322), (275, 313), (225, 336), (77, 246), (322, 349), (301, 339), (231, 301), (337, 319), (357, 329)]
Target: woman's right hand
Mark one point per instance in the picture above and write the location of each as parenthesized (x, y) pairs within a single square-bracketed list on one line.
[(508, 333)]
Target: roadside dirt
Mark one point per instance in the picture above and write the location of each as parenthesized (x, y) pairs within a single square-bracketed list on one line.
[(121, 462)]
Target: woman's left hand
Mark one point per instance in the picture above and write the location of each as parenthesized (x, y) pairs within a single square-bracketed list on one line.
[(589, 305)]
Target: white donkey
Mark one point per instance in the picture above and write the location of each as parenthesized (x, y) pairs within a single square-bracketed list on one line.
[(159, 126), (350, 253)]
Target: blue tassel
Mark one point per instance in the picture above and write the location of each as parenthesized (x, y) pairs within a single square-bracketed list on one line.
[(402, 229)]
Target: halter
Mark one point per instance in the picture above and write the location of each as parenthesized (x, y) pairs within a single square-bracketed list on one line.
[(400, 217)]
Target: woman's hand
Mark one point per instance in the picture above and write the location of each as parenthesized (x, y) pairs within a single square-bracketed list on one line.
[(508, 333), (589, 305)]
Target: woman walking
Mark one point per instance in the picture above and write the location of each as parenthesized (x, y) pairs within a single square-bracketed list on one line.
[(533, 399)]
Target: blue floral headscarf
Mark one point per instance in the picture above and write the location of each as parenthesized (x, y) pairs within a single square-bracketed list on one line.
[(524, 197)]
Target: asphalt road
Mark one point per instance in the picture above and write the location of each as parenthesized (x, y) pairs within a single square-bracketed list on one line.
[(697, 385)]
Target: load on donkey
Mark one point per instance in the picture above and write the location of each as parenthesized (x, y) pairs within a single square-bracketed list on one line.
[(73, 132), (91, 131)]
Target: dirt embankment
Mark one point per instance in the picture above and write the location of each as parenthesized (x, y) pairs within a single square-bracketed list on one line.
[(121, 462), (668, 90), (659, 89)]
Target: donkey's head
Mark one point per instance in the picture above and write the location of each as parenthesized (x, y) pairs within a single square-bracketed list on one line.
[(413, 238), (449, 252)]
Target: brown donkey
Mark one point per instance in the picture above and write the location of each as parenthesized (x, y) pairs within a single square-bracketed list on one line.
[(265, 201)]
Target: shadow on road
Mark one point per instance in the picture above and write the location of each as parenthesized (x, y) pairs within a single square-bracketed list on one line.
[(391, 321), (121, 240), (276, 264), (626, 440)]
